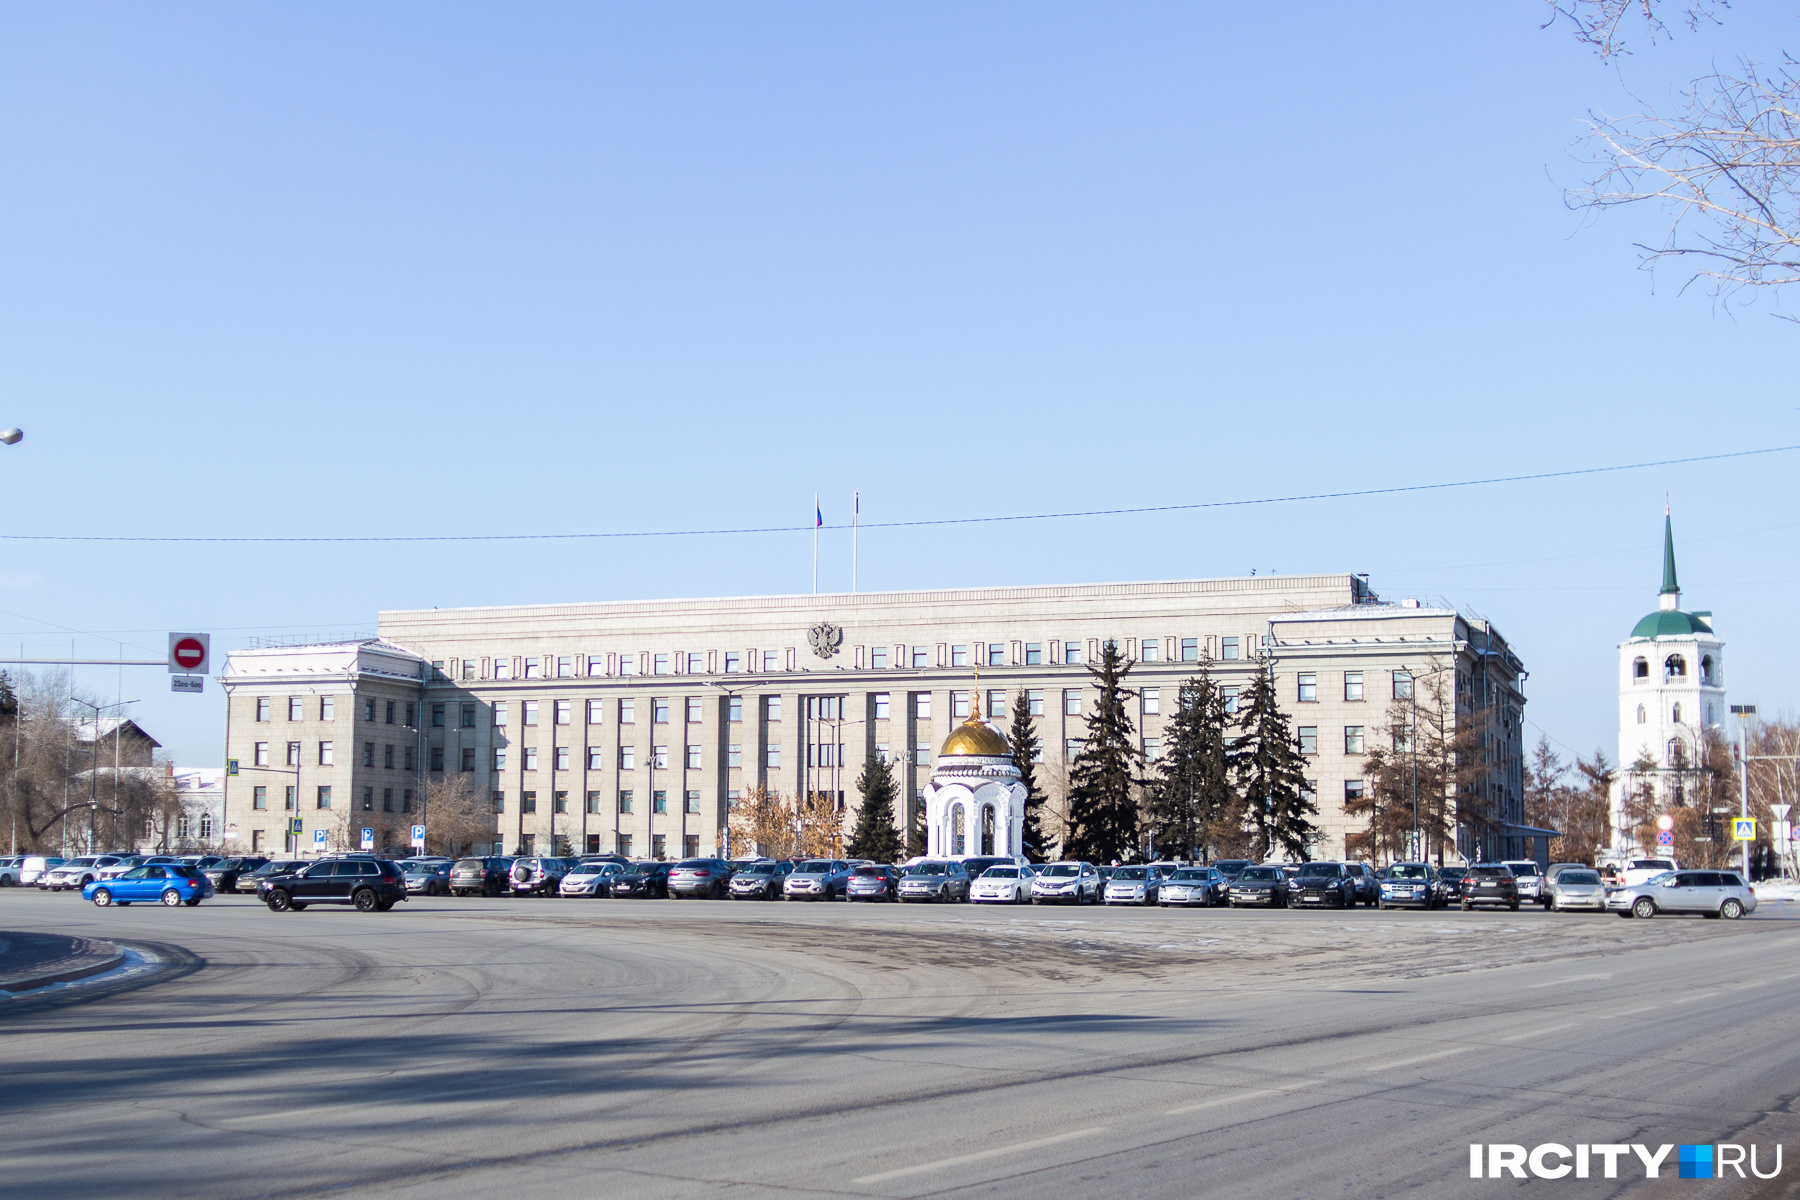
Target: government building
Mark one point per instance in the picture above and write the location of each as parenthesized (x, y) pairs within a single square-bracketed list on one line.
[(631, 727)]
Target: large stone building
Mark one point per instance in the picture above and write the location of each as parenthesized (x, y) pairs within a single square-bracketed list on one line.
[(632, 726)]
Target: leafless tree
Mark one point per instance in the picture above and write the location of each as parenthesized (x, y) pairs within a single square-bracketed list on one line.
[(1604, 24), (456, 813)]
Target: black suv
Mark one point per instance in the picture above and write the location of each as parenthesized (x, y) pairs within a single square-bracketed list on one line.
[(649, 880), (224, 876), (485, 876), (371, 884), (1490, 883)]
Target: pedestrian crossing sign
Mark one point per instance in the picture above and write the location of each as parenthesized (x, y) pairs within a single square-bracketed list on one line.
[(1743, 829)]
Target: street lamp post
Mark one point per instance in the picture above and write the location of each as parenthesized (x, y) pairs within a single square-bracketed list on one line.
[(93, 754)]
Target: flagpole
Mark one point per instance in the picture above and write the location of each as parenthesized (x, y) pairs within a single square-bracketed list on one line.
[(855, 519), (815, 543)]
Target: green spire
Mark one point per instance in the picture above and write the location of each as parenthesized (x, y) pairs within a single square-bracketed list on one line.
[(1669, 587)]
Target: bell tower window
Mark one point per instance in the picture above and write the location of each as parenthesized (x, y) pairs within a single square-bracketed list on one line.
[(1675, 667), (1677, 716), (1640, 669), (1706, 670), (1642, 715)]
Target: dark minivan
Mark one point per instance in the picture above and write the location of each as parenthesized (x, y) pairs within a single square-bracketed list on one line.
[(369, 884), (481, 876)]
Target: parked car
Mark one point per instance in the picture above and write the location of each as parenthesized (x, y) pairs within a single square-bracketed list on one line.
[(1530, 878), (760, 880), (487, 876), (1004, 883), (1318, 884), (1264, 885), (225, 874), (976, 867), (1643, 870), (1699, 893), (642, 880), (426, 878), (174, 884), (202, 861), (699, 878), (1132, 885), (817, 879), (1230, 867), (1410, 885), (1575, 887), (1490, 883), (591, 878), (33, 866), (1193, 886), (1368, 888), (942, 880), (1451, 881), (1067, 883), (370, 885), (537, 875), (1555, 869), (76, 873), (128, 861), (9, 870), (248, 881), (873, 882)]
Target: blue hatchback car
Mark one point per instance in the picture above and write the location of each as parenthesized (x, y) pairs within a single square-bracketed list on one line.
[(171, 884)]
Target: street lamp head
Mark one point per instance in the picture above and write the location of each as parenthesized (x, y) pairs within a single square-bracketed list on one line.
[(11, 437)]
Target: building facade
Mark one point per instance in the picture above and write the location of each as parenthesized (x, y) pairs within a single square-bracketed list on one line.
[(631, 727)]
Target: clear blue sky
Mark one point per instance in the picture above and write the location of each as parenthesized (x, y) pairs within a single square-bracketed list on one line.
[(435, 268)]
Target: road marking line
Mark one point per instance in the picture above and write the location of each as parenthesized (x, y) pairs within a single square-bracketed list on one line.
[(1407, 1062), (1216, 1101), (1630, 1012), (1539, 1032), (1566, 979), (981, 1155)]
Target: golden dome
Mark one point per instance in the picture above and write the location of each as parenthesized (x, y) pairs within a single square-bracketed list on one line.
[(975, 736)]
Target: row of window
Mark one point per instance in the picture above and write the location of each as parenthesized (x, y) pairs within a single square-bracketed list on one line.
[(626, 801), (1675, 667), (1306, 685), (396, 712), (1712, 714)]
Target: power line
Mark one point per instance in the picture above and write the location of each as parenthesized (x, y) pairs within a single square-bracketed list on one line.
[(807, 528)]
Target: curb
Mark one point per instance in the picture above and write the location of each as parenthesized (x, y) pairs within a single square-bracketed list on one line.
[(113, 957)]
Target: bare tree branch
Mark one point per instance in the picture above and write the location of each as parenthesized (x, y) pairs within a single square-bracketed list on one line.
[(1602, 23)]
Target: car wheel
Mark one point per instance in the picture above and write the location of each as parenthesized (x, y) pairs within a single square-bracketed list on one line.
[(365, 900), (172, 898), (102, 898), (1644, 908), (1731, 910), (280, 901), (194, 903), (1515, 906)]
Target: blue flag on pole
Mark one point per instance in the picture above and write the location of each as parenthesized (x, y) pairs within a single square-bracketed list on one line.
[(818, 518)]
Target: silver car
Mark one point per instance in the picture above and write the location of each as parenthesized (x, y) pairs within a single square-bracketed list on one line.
[(592, 879), (1067, 883), (935, 879), (817, 879), (1701, 893), (1132, 885), (760, 880), (1576, 887)]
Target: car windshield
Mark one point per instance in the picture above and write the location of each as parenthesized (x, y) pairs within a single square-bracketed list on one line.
[(928, 868), (1131, 873), (1651, 864), (1187, 873), (1060, 870), (471, 864), (1453, 873), (816, 867), (872, 872), (1408, 871), (1523, 868), (1489, 873), (758, 869), (1661, 877), (696, 864), (1260, 874), (1322, 870), (1579, 877), (1000, 873)]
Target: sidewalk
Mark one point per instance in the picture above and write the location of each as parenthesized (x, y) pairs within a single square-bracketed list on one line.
[(34, 960)]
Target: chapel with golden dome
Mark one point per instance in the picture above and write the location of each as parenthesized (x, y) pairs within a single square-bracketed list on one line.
[(974, 802)]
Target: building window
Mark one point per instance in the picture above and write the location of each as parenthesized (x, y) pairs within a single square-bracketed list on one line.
[(595, 758), (733, 662), (437, 758), (406, 801), (659, 757), (324, 797), (593, 803), (881, 706), (659, 802), (411, 763), (1706, 670), (659, 710), (659, 664), (1642, 715), (1034, 653), (499, 713), (468, 758), (996, 705), (1309, 739), (502, 667), (387, 799), (437, 716), (528, 712), (411, 714), (1152, 702), (1674, 667), (691, 803), (959, 705), (293, 754), (1353, 792), (531, 668), (696, 664), (693, 757), (628, 662), (559, 802), (1034, 702), (922, 706), (1071, 702), (327, 708), (881, 752), (658, 841), (625, 844), (1353, 739), (625, 799), (959, 656), (1152, 749), (368, 710), (734, 709), (596, 712), (1190, 649), (468, 716), (261, 754), (1071, 653), (628, 712), (1309, 689), (922, 753), (1150, 650), (690, 845), (1403, 685), (1071, 749), (565, 667), (527, 802), (696, 710), (627, 758), (259, 797), (771, 661), (561, 754), (1677, 717), (262, 706), (290, 798), (500, 759), (878, 657), (499, 802), (596, 666), (296, 708), (996, 654), (560, 712), (772, 757), (772, 707), (387, 757), (390, 712), (1353, 686), (734, 757), (1228, 648)]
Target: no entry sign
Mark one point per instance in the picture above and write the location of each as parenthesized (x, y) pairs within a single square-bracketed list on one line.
[(188, 653)]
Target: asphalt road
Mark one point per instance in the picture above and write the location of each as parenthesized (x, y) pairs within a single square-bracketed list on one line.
[(525, 1048)]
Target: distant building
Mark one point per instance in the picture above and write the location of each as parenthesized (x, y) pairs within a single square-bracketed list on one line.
[(632, 727), (199, 820)]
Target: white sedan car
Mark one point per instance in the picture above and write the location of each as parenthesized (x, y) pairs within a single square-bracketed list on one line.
[(1003, 885), (590, 879), (1575, 887)]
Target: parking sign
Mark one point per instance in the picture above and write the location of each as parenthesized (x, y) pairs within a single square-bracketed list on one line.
[(418, 836), (318, 839), (368, 839)]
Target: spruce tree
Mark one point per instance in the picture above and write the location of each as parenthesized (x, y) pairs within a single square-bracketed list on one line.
[(1269, 771), (1192, 791), (1103, 814), (1025, 744), (875, 838), (916, 841)]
